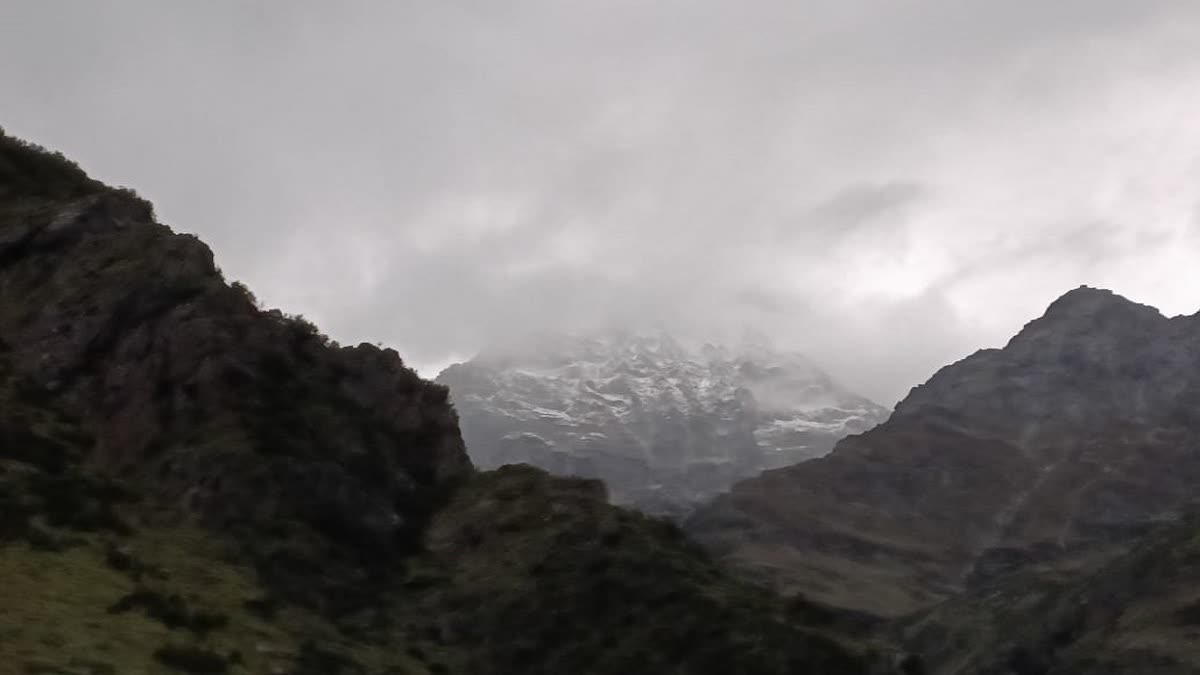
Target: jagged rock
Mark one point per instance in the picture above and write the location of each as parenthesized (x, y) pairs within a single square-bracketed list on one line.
[(663, 425), (178, 376)]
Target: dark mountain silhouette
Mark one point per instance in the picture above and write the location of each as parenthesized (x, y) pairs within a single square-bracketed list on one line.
[(1078, 436), (189, 483)]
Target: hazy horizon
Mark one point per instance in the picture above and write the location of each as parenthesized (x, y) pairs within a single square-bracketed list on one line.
[(886, 189)]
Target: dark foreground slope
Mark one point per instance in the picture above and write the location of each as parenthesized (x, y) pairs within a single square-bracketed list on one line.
[(1136, 613), (1076, 437), (190, 484)]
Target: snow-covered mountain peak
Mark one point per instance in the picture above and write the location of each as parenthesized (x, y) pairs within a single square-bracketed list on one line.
[(660, 420)]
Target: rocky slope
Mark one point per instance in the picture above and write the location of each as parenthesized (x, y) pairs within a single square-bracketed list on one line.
[(1136, 612), (191, 484), (664, 426), (1078, 435)]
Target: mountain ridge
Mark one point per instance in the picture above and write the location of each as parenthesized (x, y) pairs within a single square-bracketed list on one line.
[(1076, 433), (665, 425)]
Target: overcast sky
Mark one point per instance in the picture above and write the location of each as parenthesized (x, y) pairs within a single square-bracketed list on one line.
[(887, 185)]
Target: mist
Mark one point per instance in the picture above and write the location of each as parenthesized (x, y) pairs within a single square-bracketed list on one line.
[(884, 186)]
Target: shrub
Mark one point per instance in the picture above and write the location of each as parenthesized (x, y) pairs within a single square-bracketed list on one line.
[(316, 661), (265, 607), (192, 660), (79, 503), (245, 292), (24, 446), (171, 610), (31, 170)]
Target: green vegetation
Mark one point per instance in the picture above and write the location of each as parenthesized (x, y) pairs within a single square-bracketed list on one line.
[(521, 573), (151, 596), (34, 180), (1126, 609), (518, 572), (30, 170), (537, 574), (194, 659)]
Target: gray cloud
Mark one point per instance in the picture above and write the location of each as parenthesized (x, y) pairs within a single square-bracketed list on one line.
[(885, 185), (860, 205)]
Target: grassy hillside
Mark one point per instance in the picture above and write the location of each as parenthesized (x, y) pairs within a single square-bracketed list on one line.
[(1130, 611), (520, 573)]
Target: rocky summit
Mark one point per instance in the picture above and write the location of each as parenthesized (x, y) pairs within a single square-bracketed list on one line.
[(1079, 435), (665, 426), (190, 483)]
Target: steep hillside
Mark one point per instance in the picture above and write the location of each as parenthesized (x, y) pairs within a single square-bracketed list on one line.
[(191, 484), (186, 385), (664, 426), (1080, 433), (1136, 613)]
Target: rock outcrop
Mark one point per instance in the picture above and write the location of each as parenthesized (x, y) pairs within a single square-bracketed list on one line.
[(182, 380), (1081, 433)]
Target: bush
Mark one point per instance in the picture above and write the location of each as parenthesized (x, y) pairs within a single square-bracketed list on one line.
[(192, 660), (125, 562), (24, 446), (79, 503), (245, 292), (315, 661), (265, 608), (27, 169), (171, 610)]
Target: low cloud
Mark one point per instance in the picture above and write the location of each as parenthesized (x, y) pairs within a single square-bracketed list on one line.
[(888, 186)]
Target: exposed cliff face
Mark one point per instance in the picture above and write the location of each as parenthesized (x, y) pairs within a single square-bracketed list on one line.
[(1081, 432), (189, 483), (663, 425), (231, 410)]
